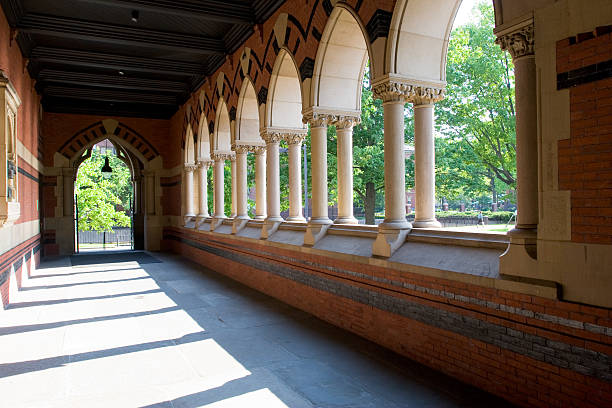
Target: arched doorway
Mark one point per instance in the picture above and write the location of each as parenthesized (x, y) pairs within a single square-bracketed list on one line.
[(104, 199)]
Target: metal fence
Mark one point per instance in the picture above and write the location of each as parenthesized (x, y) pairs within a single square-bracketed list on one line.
[(117, 237)]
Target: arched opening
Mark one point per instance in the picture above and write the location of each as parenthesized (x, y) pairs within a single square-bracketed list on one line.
[(222, 145), (104, 199), (284, 107)]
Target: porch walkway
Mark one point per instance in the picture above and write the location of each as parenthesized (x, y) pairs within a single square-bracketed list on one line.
[(170, 334)]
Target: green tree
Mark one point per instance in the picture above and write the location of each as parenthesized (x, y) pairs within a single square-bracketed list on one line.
[(477, 120), (102, 203)]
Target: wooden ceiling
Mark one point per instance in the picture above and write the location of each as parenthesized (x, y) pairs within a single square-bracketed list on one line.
[(128, 57)]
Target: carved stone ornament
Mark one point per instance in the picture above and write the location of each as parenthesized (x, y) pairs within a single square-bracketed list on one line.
[(241, 149), (316, 119), (271, 137), (223, 156), (205, 164), (294, 138), (402, 91), (518, 43), (258, 150), (346, 122), (189, 167)]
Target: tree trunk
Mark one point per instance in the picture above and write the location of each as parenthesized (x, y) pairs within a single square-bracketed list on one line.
[(370, 204), (492, 184)]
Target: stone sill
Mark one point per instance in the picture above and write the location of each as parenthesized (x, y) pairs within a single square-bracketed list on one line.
[(432, 239)]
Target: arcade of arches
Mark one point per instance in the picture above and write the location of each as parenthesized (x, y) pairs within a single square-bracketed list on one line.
[(523, 315)]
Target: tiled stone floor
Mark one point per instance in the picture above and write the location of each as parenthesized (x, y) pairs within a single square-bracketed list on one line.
[(172, 334)]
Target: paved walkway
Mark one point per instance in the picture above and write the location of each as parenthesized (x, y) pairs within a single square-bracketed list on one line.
[(170, 334)]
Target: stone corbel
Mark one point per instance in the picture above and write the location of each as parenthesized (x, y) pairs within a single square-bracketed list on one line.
[(314, 233), (388, 241), (269, 228)]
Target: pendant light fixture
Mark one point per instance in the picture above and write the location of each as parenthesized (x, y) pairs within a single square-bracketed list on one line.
[(107, 170)]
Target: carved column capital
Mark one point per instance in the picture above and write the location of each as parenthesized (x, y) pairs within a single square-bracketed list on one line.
[(258, 150), (189, 167), (398, 89), (271, 136), (517, 40), (204, 163), (316, 119), (294, 138), (241, 149), (346, 122), (222, 156)]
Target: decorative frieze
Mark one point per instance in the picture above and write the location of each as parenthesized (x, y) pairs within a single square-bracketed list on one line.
[(517, 40)]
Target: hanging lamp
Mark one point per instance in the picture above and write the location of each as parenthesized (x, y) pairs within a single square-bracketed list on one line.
[(107, 170)]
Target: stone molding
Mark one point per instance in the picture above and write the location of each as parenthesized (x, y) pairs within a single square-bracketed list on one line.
[(271, 137), (258, 150), (346, 122), (399, 89), (518, 39), (241, 149), (276, 135)]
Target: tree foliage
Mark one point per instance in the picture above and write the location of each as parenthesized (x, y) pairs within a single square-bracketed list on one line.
[(478, 149), (102, 203)]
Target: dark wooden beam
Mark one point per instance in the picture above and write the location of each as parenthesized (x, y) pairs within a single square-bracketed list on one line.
[(111, 81), (92, 94), (114, 61), (227, 11), (72, 28)]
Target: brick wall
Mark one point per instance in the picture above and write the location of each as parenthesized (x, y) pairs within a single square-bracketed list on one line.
[(584, 65), (529, 350), (14, 259)]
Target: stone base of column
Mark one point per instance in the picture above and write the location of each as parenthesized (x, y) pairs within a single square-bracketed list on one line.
[(200, 218), (188, 218), (239, 224), (314, 233), (297, 218), (216, 221), (346, 220), (426, 224), (270, 227), (389, 240), (260, 217), (520, 259)]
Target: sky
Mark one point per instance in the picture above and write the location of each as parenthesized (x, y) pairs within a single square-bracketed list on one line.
[(464, 15)]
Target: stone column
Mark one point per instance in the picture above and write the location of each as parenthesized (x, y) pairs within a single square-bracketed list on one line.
[(203, 184), (68, 186), (520, 257), (240, 181), (189, 213), (234, 185), (519, 41), (272, 140), (424, 155), (318, 163), (294, 140), (392, 232), (319, 222), (260, 183), (219, 193), (344, 132)]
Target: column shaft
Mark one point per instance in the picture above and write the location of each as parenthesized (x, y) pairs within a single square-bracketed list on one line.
[(344, 133), (526, 143), (424, 167), (295, 180), (318, 160), (241, 184), (395, 166), (260, 184), (273, 177), (189, 191), (203, 184), (234, 186), (219, 193)]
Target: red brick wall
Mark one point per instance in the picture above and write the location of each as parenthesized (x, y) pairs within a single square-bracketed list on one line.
[(13, 258), (584, 64), (500, 342)]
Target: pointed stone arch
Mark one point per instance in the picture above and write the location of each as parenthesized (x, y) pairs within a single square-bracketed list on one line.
[(203, 140), (222, 138), (189, 150), (284, 99), (247, 115), (418, 38), (340, 62)]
